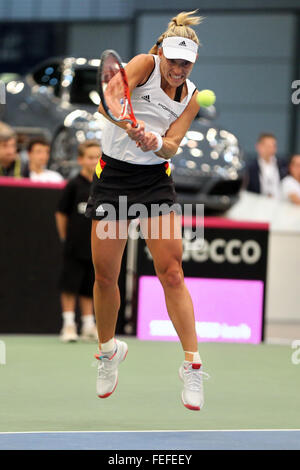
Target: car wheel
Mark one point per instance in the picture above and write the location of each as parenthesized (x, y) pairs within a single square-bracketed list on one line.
[(63, 153)]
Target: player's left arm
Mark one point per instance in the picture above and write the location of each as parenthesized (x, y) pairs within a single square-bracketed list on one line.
[(174, 135), (178, 129)]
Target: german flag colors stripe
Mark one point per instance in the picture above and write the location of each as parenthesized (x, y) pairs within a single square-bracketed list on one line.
[(99, 167), (168, 168)]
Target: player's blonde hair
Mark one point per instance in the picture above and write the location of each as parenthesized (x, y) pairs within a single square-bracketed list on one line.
[(180, 26)]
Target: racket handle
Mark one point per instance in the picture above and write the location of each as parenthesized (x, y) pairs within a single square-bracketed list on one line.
[(134, 122)]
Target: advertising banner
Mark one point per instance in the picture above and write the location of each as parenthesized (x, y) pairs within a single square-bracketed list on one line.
[(225, 274)]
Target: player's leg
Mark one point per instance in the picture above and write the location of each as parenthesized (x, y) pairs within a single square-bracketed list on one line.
[(107, 256), (167, 256), (166, 251)]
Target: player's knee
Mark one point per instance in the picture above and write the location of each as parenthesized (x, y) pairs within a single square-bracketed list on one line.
[(104, 280), (172, 278)]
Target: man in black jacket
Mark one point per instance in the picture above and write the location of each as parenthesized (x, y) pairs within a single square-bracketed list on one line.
[(265, 172)]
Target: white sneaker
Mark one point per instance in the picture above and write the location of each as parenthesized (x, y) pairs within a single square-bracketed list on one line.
[(193, 394), (69, 334), (89, 333), (107, 379)]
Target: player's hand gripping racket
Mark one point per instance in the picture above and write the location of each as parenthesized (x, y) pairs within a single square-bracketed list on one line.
[(114, 89)]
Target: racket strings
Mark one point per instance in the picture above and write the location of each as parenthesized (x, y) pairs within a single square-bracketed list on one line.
[(114, 90)]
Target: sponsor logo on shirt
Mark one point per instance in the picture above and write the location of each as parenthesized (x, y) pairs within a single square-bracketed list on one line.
[(168, 110), (100, 210), (146, 98)]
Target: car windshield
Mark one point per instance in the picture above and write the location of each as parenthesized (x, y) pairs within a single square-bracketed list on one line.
[(83, 87)]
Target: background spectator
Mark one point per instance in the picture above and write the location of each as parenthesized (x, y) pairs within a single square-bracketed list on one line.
[(10, 162), (290, 185), (265, 172), (77, 279), (38, 156)]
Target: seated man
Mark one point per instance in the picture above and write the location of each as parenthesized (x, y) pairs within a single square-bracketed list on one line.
[(10, 162), (290, 185), (38, 155), (265, 172)]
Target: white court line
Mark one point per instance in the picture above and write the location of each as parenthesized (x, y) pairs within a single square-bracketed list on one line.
[(172, 430)]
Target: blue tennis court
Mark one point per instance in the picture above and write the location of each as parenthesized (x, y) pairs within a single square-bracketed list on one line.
[(156, 440)]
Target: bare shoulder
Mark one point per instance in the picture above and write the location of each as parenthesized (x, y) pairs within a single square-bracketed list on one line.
[(194, 96), (139, 68), (142, 60)]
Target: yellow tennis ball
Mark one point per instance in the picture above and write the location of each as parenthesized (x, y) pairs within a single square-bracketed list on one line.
[(206, 98)]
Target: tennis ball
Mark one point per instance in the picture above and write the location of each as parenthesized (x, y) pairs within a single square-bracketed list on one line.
[(206, 98)]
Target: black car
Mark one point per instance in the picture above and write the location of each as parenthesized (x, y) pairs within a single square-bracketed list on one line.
[(57, 100), (208, 167)]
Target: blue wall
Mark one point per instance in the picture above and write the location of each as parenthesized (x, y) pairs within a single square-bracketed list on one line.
[(249, 54), (70, 10), (247, 59)]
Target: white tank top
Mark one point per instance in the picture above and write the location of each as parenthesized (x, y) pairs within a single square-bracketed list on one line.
[(153, 106)]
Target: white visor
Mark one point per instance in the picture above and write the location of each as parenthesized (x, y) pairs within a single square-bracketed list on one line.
[(180, 48)]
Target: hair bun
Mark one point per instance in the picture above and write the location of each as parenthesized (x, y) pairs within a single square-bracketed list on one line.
[(185, 18)]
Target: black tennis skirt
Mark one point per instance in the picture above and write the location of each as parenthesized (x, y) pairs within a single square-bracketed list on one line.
[(122, 190)]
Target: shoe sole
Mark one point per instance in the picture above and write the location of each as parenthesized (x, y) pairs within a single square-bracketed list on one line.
[(189, 407), (110, 393)]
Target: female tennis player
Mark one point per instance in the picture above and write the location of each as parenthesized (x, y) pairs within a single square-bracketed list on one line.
[(135, 163)]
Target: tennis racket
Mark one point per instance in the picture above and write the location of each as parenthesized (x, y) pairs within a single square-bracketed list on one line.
[(114, 90)]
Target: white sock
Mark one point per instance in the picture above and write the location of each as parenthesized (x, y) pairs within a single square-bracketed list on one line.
[(88, 321), (109, 346), (196, 357), (68, 318)]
